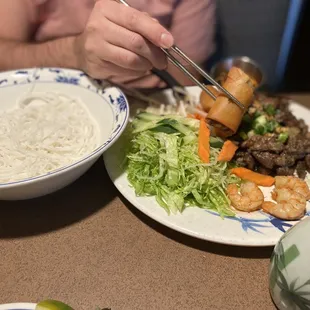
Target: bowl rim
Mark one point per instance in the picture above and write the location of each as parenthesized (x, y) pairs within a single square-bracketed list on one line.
[(245, 59), (18, 305), (97, 152)]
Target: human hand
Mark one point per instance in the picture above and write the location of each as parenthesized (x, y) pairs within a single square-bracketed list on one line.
[(119, 41)]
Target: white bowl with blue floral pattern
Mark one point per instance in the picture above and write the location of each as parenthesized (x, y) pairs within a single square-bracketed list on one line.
[(107, 105), (289, 273)]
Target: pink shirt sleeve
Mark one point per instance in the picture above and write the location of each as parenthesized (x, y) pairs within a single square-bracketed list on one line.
[(193, 27), (19, 23)]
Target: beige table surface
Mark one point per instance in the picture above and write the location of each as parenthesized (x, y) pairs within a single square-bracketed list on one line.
[(87, 246)]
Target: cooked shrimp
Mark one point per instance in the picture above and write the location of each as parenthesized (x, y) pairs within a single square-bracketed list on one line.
[(290, 205), (291, 195), (297, 185), (249, 199)]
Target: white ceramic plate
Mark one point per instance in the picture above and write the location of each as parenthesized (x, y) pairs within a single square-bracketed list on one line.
[(253, 229), (18, 306), (108, 106)]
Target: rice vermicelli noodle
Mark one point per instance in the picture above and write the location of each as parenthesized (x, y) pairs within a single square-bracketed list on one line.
[(44, 132)]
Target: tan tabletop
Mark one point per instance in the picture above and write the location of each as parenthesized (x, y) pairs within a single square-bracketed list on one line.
[(87, 246)]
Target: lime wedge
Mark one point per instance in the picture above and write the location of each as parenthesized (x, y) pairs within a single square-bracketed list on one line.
[(52, 305)]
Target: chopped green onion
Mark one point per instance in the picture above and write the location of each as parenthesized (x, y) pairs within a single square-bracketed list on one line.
[(263, 126), (271, 126), (270, 110), (251, 133), (283, 137), (257, 114), (243, 135), (261, 120), (259, 125), (260, 130)]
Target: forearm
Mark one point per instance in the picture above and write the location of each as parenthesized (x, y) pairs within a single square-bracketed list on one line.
[(55, 53)]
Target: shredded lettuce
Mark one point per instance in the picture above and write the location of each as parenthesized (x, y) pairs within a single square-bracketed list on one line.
[(163, 161)]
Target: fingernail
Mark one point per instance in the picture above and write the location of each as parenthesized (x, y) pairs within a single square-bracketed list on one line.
[(166, 40)]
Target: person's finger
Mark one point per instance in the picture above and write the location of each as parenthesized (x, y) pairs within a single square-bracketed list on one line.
[(126, 59), (111, 71), (136, 21), (122, 37), (118, 56), (147, 14)]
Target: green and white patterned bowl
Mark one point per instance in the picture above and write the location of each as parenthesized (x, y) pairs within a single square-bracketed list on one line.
[(289, 272)]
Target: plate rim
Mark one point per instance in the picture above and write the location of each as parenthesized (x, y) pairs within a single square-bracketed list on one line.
[(99, 150), (215, 238), (179, 229)]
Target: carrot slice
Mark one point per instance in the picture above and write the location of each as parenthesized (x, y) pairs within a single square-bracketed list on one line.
[(191, 116), (195, 116), (228, 151), (199, 116), (204, 142), (249, 175)]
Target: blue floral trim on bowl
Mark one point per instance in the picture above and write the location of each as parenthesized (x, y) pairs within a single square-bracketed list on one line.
[(258, 225), (63, 79)]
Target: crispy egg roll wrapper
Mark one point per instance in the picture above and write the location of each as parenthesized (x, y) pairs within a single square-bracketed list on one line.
[(225, 114), (206, 101)]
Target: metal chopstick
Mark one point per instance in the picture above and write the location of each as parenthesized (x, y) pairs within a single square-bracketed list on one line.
[(207, 76), (176, 63)]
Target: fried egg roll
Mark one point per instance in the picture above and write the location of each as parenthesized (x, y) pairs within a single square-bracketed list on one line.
[(206, 101), (224, 114)]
